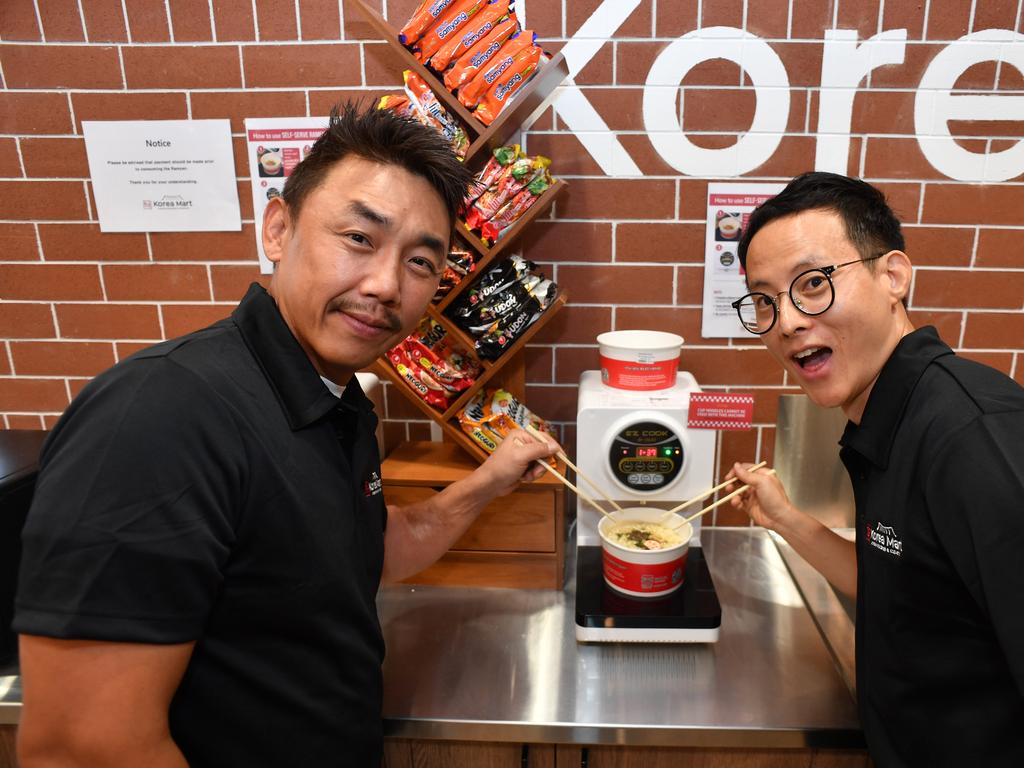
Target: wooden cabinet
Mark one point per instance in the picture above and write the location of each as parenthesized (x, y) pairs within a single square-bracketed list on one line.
[(506, 371), (518, 540), (404, 753), (8, 758)]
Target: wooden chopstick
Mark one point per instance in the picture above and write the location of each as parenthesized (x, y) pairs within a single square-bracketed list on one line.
[(536, 433), (705, 494), (721, 501), (576, 490)]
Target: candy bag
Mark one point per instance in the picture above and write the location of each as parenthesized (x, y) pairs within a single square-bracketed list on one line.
[(475, 30), (508, 84), (469, 64)]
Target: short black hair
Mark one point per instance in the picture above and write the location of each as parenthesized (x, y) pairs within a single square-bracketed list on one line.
[(381, 136), (870, 223)]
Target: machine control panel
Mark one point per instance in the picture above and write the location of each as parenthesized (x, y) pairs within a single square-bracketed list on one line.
[(646, 456)]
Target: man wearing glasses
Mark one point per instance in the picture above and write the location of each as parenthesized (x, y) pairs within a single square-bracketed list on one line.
[(935, 451)]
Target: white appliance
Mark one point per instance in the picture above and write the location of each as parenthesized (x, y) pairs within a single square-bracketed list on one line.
[(638, 448)]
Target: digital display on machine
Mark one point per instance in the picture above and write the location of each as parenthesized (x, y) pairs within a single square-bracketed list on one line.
[(646, 456)]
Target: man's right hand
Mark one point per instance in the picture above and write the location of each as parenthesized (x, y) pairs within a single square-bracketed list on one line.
[(765, 501)]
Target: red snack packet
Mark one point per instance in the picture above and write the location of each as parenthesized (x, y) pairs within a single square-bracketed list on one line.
[(427, 109), (418, 381), (517, 176), (478, 28), (471, 93), (449, 377), (425, 17), (508, 83), (500, 158), (456, 18), (514, 208), (469, 64)]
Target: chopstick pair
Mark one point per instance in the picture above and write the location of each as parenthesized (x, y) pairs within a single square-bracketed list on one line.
[(721, 501), (569, 485), (701, 496)]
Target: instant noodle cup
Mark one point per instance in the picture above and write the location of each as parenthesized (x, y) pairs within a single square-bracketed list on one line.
[(639, 360), (642, 554)]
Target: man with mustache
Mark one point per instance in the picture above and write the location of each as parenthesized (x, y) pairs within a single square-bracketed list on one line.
[(208, 532), (933, 447)]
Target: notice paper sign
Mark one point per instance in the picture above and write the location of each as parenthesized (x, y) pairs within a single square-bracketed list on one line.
[(163, 175), (729, 207), (275, 145), (713, 410)]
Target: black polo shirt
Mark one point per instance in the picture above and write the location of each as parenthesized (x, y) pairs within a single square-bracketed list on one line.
[(937, 465), (212, 489)]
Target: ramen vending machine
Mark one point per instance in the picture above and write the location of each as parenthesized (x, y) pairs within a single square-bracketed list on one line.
[(641, 575)]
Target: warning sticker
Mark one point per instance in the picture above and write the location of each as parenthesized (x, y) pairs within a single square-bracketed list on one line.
[(713, 410)]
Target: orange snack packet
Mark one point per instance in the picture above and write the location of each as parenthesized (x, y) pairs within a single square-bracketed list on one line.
[(425, 17), (508, 83), (469, 64), (471, 93), (456, 18), (477, 28)]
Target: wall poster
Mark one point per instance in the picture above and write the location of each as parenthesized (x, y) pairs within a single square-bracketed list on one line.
[(275, 145), (729, 208)]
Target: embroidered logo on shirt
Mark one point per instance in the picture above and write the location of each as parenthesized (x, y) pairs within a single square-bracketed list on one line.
[(372, 485), (884, 539)]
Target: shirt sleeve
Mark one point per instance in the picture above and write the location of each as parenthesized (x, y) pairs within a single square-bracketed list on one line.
[(976, 493), (133, 515)]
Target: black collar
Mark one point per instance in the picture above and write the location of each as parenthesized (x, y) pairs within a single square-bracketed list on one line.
[(874, 436), (302, 395)]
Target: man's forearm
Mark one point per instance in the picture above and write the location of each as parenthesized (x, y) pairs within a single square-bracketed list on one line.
[(418, 534), (830, 554)]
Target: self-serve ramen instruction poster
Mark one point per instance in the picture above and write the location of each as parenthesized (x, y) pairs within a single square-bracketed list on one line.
[(275, 145), (729, 208)]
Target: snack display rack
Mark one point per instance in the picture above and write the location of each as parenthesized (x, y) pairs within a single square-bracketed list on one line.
[(483, 139)]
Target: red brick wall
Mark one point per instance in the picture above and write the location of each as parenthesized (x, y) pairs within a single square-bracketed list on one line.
[(629, 251)]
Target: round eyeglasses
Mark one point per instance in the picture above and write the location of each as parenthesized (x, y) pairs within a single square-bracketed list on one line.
[(811, 292)]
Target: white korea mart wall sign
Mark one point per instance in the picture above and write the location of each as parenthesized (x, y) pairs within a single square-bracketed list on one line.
[(846, 62)]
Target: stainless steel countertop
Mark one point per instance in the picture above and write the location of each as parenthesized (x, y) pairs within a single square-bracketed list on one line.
[(504, 665)]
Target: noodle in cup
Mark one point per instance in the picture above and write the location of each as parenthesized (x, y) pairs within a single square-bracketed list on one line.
[(642, 557)]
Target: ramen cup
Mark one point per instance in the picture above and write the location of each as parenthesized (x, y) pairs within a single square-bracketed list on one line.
[(729, 226), (271, 162), (638, 572)]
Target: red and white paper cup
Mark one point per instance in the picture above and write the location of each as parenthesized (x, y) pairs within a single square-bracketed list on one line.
[(644, 573), (639, 360)]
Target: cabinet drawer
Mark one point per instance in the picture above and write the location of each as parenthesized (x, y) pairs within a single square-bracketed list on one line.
[(523, 521)]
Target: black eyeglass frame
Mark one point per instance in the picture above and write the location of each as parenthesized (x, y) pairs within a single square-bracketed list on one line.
[(826, 271)]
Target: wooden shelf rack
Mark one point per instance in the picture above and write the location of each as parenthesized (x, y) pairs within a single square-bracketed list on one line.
[(483, 139)]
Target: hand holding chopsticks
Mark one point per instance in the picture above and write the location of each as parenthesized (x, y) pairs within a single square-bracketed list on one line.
[(721, 501), (708, 492), (561, 456)]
